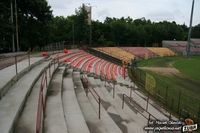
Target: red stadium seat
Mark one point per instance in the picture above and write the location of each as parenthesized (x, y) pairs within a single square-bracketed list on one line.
[(44, 53)]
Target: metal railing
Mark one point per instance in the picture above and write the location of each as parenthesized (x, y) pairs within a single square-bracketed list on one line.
[(14, 59), (41, 99), (164, 108), (90, 89), (145, 110)]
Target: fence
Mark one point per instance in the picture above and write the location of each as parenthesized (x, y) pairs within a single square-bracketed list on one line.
[(42, 95), (175, 100), (56, 46)]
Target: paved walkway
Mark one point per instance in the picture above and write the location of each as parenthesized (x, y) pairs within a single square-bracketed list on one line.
[(8, 73)]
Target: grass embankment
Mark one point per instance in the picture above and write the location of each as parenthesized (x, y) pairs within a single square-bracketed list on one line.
[(187, 81)]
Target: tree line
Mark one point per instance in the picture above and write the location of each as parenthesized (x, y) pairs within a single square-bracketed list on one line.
[(38, 27)]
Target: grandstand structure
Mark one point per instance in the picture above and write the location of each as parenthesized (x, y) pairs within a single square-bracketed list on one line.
[(116, 52), (162, 52), (74, 92), (140, 52), (126, 54), (180, 46)]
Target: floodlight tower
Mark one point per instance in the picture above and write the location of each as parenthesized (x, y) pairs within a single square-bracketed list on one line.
[(190, 30)]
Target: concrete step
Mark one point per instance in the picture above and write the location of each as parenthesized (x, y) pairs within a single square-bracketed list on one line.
[(94, 124), (12, 104), (9, 77), (107, 121), (73, 116), (54, 117), (25, 124), (126, 121)]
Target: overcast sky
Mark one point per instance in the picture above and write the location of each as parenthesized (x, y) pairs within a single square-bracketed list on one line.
[(155, 10)]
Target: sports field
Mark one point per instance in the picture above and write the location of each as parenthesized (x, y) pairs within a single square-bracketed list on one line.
[(177, 82)]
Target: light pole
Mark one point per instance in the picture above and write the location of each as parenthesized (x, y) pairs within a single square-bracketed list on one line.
[(190, 30), (16, 22), (13, 37)]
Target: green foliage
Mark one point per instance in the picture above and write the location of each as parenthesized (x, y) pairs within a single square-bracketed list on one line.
[(196, 31), (38, 27), (33, 19), (34, 16), (5, 26)]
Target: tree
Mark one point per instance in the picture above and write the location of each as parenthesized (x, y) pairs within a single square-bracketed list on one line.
[(34, 16), (6, 27), (196, 31)]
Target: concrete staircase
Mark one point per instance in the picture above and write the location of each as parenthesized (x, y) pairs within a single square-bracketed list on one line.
[(90, 111), (75, 121)]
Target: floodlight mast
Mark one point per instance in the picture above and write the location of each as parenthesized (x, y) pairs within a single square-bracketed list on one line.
[(190, 30), (12, 21), (16, 27)]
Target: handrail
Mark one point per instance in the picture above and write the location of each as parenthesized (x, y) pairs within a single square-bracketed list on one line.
[(157, 107), (94, 94), (130, 100), (41, 99), (17, 57)]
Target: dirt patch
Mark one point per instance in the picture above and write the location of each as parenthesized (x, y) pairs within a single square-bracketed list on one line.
[(163, 70)]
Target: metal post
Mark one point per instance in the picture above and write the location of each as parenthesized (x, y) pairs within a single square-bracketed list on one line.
[(113, 90), (124, 72), (123, 102), (190, 30), (12, 21), (16, 65), (46, 77), (49, 70), (148, 121), (16, 22), (179, 101), (58, 62), (99, 108), (54, 63), (149, 118), (170, 115), (29, 62), (130, 94), (105, 81), (147, 103)]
